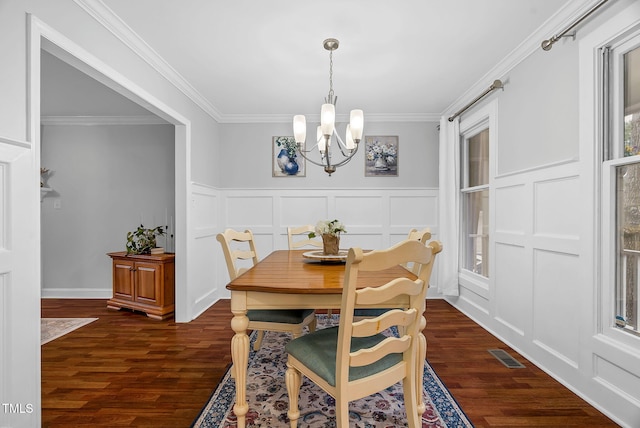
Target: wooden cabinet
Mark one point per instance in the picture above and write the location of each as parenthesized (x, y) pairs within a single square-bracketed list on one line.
[(144, 283)]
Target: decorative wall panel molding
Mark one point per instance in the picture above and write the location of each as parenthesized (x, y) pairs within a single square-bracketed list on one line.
[(205, 211), (535, 250), (374, 218)]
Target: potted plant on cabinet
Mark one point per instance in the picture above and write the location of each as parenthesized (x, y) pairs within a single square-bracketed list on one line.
[(143, 240)]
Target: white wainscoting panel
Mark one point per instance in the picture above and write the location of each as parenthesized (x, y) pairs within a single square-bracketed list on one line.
[(359, 212), (512, 285), (253, 211), (617, 379), (206, 258), (556, 321), (264, 243), (513, 207), (557, 207), (205, 203), (407, 211), (374, 218), (363, 240), (301, 210), (533, 297)]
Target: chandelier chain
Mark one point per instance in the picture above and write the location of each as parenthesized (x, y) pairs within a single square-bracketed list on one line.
[(331, 76)]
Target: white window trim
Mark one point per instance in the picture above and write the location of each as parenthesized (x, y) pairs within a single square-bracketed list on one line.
[(598, 226), (484, 117)]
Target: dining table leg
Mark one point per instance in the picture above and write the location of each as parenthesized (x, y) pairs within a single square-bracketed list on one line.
[(240, 358)]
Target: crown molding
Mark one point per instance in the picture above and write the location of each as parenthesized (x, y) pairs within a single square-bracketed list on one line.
[(340, 118), (568, 13), (107, 18), (102, 120), (112, 22), (401, 117)]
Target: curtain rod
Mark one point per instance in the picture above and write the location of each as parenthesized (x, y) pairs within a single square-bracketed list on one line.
[(497, 84), (548, 44)]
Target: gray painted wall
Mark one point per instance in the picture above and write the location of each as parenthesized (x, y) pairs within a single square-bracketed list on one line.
[(106, 180), (244, 158), (538, 111)]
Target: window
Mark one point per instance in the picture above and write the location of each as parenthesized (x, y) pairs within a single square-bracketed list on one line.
[(474, 190), (622, 164)]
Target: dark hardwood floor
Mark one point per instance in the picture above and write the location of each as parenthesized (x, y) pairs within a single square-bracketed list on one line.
[(128, 370)]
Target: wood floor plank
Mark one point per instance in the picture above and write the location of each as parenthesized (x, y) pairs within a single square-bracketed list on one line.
[(127, 370)]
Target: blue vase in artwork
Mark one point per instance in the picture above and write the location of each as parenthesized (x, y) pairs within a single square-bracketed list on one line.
[(283, 159), (291, 167)]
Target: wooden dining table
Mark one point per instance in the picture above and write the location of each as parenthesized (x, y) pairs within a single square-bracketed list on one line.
[(288, 280)]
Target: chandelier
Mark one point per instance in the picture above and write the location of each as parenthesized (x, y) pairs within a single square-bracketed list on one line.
[(326, 132)]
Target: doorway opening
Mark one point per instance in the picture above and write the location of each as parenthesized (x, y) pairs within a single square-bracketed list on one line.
[(46, 39)]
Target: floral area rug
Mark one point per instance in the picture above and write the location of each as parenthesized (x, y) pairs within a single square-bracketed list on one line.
[(53, 328), (269, 401)]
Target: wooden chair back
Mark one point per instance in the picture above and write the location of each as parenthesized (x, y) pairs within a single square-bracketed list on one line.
[(409, 321), (369, 355), (297, 243), (237, 246), (423, 236)]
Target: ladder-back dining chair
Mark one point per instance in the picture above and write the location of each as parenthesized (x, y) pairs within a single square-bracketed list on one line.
[(299, 237), (356, 359), (238, 246), (423, 236)]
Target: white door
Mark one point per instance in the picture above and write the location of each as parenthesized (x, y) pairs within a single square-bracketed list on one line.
[(19, 287)]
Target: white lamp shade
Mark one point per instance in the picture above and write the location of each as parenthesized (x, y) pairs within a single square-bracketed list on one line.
[(322, 143), (327, 118), (299, 128), (356, 121), (349, 139)]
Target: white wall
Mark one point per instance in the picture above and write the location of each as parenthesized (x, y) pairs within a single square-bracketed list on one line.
[(106, 180), (544, 292), (539, 111)]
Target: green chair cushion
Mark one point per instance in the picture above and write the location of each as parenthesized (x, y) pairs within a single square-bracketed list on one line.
[(369, 312), (284, 316), (317, 351)]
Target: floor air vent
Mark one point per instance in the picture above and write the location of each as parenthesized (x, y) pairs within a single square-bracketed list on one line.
[(506, 359)]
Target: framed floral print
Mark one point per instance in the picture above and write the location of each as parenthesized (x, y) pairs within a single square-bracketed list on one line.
[(286, 162), (381, 156)]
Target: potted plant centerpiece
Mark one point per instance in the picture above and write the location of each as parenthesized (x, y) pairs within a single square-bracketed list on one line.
[(330, 231), (143, 240)]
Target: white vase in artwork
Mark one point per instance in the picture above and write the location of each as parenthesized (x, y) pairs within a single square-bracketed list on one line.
[(381, 164)]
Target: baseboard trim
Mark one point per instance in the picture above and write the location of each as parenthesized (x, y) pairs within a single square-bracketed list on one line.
[(76, 293)]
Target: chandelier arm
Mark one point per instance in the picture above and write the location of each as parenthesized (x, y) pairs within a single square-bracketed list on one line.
[(341, 144), (302, 153), (347, 158), (299, 149)]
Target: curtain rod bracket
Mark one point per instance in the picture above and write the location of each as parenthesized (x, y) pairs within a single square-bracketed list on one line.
[(546, 45)]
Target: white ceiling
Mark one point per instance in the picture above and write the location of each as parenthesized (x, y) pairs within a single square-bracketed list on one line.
[(409, 58)]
